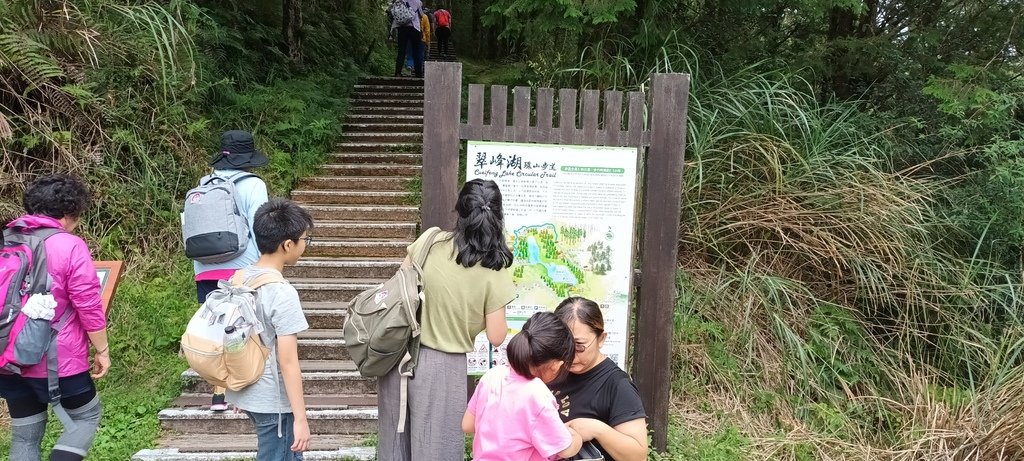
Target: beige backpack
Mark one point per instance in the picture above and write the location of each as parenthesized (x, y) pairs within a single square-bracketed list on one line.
[(233, 304)]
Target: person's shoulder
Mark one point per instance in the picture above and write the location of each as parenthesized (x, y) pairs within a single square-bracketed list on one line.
[(67, 246)]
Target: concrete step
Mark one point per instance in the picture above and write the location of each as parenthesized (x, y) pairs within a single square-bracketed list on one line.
[(313, 401), (386, 110), (390, 88), (196, 421), (379, 146), (388, 102), (319, 377), (344, 197), (376, 158), (331, 289), (382, 126), (364, 213), (372, 136), (364, 229), (386, 94), (366, 183), (325, 315), (174, 454), (359, 248), (391, 81), (380, 169), (216, 445), (394, 119), (313, 268)]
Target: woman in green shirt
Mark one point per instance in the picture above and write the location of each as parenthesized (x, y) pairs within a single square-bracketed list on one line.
[(466, 285)]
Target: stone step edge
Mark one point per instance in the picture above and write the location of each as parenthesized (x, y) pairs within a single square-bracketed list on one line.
[(173, 454), (188, 414), (191, 374)]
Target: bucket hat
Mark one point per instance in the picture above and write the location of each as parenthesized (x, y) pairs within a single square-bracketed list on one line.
[(238, 151)]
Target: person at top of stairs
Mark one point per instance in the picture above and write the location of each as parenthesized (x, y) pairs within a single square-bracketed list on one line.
[(466, 286), (275, 404), (409, 33), (443, 18), (236, 158)]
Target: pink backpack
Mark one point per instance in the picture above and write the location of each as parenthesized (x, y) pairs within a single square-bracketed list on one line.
[(25, 341)]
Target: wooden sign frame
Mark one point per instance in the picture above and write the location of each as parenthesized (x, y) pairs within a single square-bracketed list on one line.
[(109, 273), (655, 123)]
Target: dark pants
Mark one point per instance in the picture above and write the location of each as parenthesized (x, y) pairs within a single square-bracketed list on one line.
[(444, 34), (203, 289), (408, 40)]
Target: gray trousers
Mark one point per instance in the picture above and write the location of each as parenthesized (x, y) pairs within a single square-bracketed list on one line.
[(437, 401)]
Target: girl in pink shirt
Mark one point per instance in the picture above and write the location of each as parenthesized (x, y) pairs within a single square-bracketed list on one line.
[(512, 413)]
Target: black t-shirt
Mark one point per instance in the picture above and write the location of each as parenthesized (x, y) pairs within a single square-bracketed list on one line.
[(604, 393)]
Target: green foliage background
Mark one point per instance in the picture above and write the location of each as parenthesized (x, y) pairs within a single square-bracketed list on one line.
[(133, 97)]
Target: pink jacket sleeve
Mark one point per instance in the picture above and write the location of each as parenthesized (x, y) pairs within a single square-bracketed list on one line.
[(83, 288)]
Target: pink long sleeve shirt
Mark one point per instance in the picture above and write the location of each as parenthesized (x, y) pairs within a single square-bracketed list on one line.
[(76, 287)]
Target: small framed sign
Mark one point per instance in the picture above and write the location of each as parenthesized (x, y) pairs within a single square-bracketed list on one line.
[(109, 273)]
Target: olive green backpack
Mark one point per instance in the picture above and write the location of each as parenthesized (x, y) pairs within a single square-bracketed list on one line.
[(382, 328)]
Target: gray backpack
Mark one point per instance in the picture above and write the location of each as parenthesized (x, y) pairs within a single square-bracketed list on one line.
[(382, 328), (212, 226)]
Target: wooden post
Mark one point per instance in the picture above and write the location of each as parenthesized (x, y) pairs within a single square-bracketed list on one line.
[(442, 106), (660, 246)]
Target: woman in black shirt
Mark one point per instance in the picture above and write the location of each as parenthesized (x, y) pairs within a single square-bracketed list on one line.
[(597, 398)]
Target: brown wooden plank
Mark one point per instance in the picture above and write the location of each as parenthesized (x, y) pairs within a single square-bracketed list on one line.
[(659, 252), (520, 113), (499, 113), (612, 117), (637, 118), (545, 116), (475, 117), (442, 93), (591, 108), (566, 116)]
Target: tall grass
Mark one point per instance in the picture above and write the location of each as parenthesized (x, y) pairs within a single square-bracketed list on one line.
[(818, 312)]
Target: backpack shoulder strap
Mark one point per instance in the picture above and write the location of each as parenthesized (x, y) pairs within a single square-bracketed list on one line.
[(428, 242), (241, 278), (240, 176)]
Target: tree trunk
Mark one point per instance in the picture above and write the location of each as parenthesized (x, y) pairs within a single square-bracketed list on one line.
[(291, 24)]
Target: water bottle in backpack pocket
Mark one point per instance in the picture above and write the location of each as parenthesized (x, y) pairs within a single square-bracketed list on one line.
[(222, 341)]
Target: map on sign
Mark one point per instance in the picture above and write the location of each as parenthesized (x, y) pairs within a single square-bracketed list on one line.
[(554, 260), (569, 220)]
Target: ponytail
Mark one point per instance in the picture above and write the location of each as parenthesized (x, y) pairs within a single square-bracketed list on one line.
[(543, 338)]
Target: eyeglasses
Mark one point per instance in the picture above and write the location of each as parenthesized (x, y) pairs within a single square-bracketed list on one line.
[(581, 348), (309, 240)]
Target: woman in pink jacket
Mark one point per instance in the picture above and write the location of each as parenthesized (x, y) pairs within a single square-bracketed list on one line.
[(58, 202)]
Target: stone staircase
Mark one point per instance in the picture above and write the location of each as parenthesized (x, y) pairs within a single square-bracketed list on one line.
[(435, 53), (364, 220)]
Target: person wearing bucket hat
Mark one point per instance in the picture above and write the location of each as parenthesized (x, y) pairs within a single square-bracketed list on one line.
[(238, 152), (233, 162)]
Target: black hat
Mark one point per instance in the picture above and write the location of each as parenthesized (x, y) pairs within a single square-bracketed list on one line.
[(238, 151)]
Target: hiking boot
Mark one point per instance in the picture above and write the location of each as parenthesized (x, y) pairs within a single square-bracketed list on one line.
[(219, 403)]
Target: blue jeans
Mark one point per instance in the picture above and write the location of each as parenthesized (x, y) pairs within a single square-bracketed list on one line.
[(270, 447)]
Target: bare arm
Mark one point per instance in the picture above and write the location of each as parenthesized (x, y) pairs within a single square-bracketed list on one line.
[(574, 447), (288, 360), (100, 358), (496, 327), (626, 442), (468, 423)]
